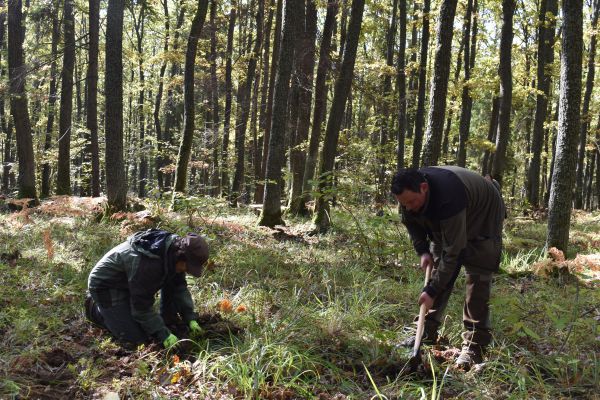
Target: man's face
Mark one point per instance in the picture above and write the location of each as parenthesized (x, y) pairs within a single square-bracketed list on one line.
[(413, 201)]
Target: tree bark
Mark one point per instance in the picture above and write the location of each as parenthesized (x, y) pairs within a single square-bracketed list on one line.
[(342, 89), (63, 173), (244, 97), (305, 71), (45, 191), (420, 116), (467, 101), (505, 73), (271, 212), (561, 195), (228, 101), (92, 95), (18, 101), (189, 113), (116, 184), (547, 21), (439, 83), (214, 102), (401, 82), (320, 106), (585, 117)]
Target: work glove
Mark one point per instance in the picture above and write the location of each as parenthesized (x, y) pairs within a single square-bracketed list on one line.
[(195, 329), (170, 341)]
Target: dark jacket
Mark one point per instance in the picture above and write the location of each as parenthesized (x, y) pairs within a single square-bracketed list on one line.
[(134, 271), (460, 223)]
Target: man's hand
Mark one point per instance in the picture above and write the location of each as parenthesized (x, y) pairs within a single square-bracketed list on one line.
[(170, 341), (426, 260), (195, 329), (426, 299)]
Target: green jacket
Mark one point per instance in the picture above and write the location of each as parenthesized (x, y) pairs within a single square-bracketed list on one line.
[(134, 271), (460, 223)]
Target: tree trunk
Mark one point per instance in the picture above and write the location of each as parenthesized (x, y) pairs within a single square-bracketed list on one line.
[(305, 71), (320, 100), (486, 165), (466, 100), (505, 73), (342, 89), (92, 95), (269, 106), (7, 156), (401, 82), (189, 113), (214, 101), (547, 15), (585, 117), (439, 84), (271, 212), (139, 25), (45, 192), (18, 100), (228, 101), (63, 173), (159, 162), (559, 213), (420, 116), (244, 97), (116, 184)]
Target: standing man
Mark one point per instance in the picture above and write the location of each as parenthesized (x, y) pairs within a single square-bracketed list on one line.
[(454, 217), (123, 284)]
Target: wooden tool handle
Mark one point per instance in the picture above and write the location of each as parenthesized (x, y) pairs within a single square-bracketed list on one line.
[(421, 321)]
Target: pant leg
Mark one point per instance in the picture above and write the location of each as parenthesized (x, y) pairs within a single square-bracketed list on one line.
[(435, 316), (476, 310), (120, 323)]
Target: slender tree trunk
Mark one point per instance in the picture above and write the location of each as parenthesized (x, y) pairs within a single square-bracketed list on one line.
[(467, 101), (116, 184), (18, 100), (585, 117), (63, 173), (559, 213), (92, 95), (439, 84), (244, 98), (401, 82), (185, 148), (214, 101), (491, 137), (159, 162), (342, 90), (547, 18), (305, 70), (271, 212), (7, 156), (228, 101), (385, 108), (45, 192), (320, 100), (505, 73), (270, 96), (139, 27), (420, 116)]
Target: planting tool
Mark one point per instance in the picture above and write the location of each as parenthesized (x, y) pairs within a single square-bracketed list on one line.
[(415, 360)]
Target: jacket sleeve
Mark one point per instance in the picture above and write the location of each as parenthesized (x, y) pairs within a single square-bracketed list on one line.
[(417, 233), (454, 241), (144, 282), (183, 298)]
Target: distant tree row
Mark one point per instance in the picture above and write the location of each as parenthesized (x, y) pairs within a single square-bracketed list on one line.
[(298, 102)]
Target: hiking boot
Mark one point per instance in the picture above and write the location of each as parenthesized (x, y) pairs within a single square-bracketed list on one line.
[(469, 356), (92, 313)]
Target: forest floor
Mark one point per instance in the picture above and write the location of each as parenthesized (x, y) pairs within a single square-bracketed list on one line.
[(293, 316)]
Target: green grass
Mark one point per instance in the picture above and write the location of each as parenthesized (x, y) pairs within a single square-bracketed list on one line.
[(324, 314)]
